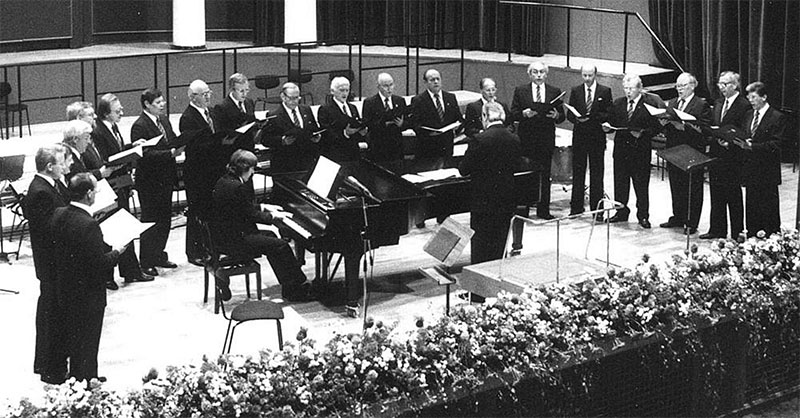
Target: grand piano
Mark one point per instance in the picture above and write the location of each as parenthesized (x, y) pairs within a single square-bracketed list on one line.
[(330, 226), (341, 225)]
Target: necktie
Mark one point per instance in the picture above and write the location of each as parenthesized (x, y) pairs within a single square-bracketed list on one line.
[(439, 108), (680, 104), (755, 123), (386, 105), (538, 94), (241, 107), (724, 110), (117, 135), (588, 101), (160, 126), (295, 119), (630, 109), (210, 122), (344, 109)]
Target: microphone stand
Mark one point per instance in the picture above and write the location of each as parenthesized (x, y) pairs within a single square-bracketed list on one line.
[(367, 254)]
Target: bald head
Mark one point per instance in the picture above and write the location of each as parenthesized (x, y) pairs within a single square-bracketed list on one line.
[(199, 93), (385, 84)]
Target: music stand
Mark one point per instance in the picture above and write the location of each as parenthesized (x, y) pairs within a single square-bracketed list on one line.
[(446, 245), (10, 170), (688, 160)]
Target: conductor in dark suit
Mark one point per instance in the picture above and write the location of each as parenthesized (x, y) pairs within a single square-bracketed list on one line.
[(686, 133), (109, 141), (434, 108), (725, 174), (46, 193), (291, 134), (236, 111), (473, 117), (82, 261), (156, 177), (206, 157), (761, 173), (593, 101), (632, 149), (386, 115), (234, 231), (491, 160), (344, 131), (537, 109)]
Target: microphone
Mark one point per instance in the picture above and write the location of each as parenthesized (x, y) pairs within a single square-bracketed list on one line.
[(362, 188)]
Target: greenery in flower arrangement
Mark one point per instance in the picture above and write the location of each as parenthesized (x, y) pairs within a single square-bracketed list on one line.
[(533, 336)]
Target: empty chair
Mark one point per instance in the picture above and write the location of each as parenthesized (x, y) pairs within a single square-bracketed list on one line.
[(251, 310), (10, 109), (301, 77), (223, 267), (266, 82)]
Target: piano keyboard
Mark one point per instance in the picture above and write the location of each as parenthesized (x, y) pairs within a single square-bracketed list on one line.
[(296, 228)]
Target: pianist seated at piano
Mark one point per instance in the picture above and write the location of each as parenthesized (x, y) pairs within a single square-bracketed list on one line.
[(234, 231)]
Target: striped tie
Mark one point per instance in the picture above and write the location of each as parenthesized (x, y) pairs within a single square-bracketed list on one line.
[(755, 123), (630, 109), (210, 121), (724, 110), (295, 119), (439, 108), (588, 101), (538, 94)]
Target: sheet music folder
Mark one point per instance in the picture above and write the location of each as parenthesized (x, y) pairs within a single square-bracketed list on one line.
[(685, 157)]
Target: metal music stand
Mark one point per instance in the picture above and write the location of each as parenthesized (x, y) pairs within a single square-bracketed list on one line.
[(689, 160), (10, 170)]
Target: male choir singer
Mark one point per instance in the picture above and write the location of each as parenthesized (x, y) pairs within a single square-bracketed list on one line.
[(593, 101), (537, 107)]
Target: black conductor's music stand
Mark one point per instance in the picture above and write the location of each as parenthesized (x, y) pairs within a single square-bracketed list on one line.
[(689, 160)]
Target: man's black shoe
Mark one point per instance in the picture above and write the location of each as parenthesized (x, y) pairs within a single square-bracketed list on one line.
[(224, 290), (671, 224), (196, 261), (575, 212), (645, 223), (53, 379), (166, 264), (150, 271), (617, 218), (545, 216), (710, 236), (112, 285), (141, 277)]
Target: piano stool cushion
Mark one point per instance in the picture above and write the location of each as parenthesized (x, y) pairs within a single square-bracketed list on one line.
[(257, 309)]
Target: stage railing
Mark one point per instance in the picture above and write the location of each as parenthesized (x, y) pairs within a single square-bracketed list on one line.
[(604, 206), (570, 8)]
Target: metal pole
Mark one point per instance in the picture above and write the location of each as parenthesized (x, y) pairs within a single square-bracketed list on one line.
[(625, 46), (224, 72), (155, 71), (568, 32), (166, 70), (558, 248)]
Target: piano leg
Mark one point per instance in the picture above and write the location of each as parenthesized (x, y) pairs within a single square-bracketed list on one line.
[(351, 277)]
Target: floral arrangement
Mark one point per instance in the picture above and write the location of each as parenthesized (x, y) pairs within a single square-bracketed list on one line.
[(513, 337)]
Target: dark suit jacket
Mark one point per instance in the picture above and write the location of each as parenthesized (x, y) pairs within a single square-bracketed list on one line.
[(334, 144), (491, 160), (727, 169), (590, 133), (82, 259), (106, 144), (697, 107), (92, 160), (425, 114), (385, 141), (228, 117), (762, 164), (473, 115), (38, 206), (301, 154), (625, 145), (156, 170), (206, 158), (79, 166), (235, 214), (539, 130)]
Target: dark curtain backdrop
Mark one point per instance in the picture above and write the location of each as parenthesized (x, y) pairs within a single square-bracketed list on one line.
[(268, 22), (756, 38), (486, 25)]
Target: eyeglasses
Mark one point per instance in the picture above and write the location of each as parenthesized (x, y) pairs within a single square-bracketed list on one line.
[(292, 97), (205, 93), (724, 83)]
